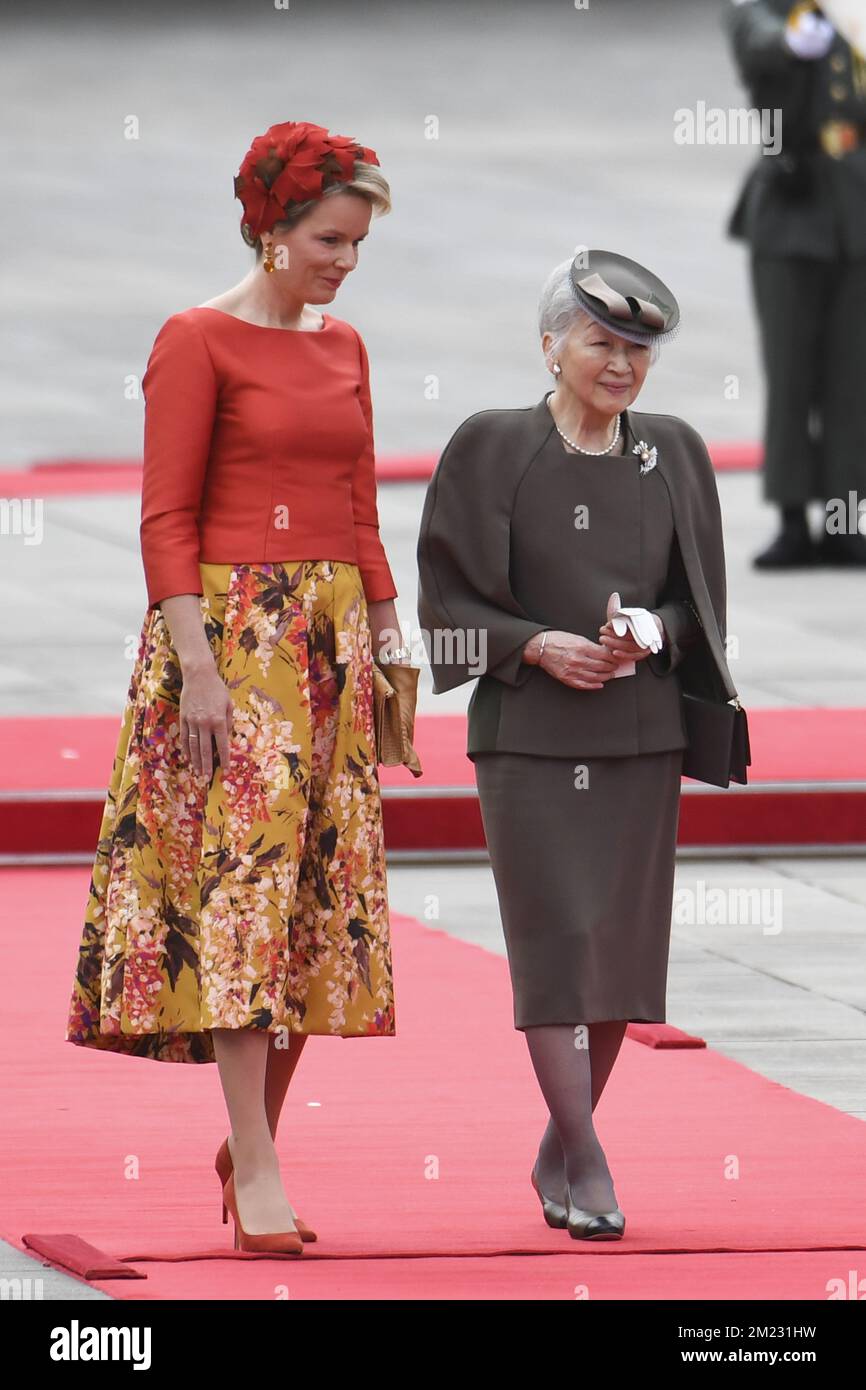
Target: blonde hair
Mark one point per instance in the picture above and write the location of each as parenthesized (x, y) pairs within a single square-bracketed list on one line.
[(367, 182)]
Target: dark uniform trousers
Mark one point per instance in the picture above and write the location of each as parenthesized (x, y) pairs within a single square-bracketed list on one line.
[(813, 338)]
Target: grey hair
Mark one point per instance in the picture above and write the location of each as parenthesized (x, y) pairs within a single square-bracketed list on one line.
[(559, 311)]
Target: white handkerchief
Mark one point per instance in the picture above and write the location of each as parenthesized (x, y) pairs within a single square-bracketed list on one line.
[(644, 629)]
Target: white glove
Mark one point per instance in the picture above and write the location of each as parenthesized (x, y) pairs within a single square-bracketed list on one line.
[(810, 35), (643, 626)]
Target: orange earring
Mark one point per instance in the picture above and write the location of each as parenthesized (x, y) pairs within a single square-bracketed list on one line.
[(268, 258)]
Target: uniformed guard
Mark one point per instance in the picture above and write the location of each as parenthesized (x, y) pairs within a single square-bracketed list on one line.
[(803, 213)]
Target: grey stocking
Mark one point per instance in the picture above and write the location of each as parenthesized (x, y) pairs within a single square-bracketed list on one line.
[(561, 1059)]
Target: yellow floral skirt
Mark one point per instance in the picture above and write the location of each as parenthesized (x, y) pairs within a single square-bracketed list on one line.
[(256, 898)]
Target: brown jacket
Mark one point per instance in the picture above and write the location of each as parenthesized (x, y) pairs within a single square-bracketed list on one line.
[(474, 625)]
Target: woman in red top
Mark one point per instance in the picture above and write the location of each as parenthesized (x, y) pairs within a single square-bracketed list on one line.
[(238, 900)]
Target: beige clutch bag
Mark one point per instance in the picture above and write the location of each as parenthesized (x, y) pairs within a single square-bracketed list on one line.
[(395, 691)]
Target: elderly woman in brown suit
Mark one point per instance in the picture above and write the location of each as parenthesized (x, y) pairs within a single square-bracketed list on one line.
[(538, 523)]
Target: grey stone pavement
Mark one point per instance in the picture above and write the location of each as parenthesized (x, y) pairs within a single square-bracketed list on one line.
[(554, 127)]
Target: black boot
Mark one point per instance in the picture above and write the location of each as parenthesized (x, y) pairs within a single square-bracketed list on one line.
[(793, 548), (840, 548)]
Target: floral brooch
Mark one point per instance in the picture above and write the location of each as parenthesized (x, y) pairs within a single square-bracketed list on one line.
[(648, 456)]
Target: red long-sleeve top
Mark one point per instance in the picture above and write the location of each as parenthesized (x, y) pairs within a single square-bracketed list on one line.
[(258, 446)]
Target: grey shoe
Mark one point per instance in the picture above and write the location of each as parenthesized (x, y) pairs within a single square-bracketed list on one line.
[(554, 1214), (592, 1225)]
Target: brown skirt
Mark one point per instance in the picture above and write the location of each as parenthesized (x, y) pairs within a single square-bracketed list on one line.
[(582, 852)]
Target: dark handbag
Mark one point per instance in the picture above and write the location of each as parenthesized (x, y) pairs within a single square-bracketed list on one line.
[(718, 732)]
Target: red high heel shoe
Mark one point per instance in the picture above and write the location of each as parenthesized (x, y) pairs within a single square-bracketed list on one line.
[(271, 1242), (224, 1169)]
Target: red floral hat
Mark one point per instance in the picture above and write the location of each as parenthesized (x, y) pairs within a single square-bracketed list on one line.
[(290, 163)]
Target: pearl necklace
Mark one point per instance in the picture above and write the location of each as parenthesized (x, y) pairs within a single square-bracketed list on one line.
[(595, 453)]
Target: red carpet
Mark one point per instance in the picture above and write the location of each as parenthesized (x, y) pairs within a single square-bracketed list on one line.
[(411, 1155), (53, 477), (807, 786)]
